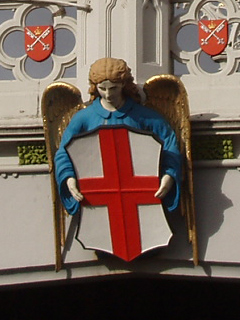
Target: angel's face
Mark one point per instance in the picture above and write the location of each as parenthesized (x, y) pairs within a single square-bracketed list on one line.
[(111, 92)]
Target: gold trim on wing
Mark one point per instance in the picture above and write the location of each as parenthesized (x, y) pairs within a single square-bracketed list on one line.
[(167, 95), (60, 101)]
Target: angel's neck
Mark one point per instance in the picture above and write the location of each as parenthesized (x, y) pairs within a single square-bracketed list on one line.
[(112, 106)]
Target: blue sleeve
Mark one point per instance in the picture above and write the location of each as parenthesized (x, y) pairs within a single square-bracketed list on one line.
[(171, 161), (64, 168)]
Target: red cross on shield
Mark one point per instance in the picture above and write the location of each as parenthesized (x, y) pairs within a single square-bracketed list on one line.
[(39, 42), (213, 36), (118, 173)]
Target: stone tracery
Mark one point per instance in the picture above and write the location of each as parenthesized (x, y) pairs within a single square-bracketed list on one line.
[(17, 23)]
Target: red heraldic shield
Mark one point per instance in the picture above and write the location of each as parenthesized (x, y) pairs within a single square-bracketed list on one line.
[(39, 41), (118, 173), (213, 36)]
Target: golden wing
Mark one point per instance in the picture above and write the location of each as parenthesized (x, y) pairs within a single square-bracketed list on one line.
[(60, 101), (167, 95)]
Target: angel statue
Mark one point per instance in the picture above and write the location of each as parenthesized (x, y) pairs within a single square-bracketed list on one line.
[(115, 113)]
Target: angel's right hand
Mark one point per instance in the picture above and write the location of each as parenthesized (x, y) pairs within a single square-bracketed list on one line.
[(72, 187)]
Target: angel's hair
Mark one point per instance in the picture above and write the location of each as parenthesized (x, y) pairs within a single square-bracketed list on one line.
[(114, 70)]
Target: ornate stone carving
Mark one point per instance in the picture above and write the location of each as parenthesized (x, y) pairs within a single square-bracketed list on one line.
[(17, 23), (201, 9)]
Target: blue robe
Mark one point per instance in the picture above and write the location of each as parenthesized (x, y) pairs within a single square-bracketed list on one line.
[(130, 114)]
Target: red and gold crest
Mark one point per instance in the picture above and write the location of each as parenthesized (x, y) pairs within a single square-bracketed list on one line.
[(213, 36), (39, 42)]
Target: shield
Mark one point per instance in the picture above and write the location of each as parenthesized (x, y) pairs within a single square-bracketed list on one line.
[(39, 42), (213, 36), (118, 173)]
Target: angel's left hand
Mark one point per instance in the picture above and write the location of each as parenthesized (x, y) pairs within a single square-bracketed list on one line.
[(166, 184)]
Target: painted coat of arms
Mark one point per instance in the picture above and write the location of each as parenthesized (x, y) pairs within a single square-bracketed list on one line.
[(120, 214), (213, 36), (39, 42)]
